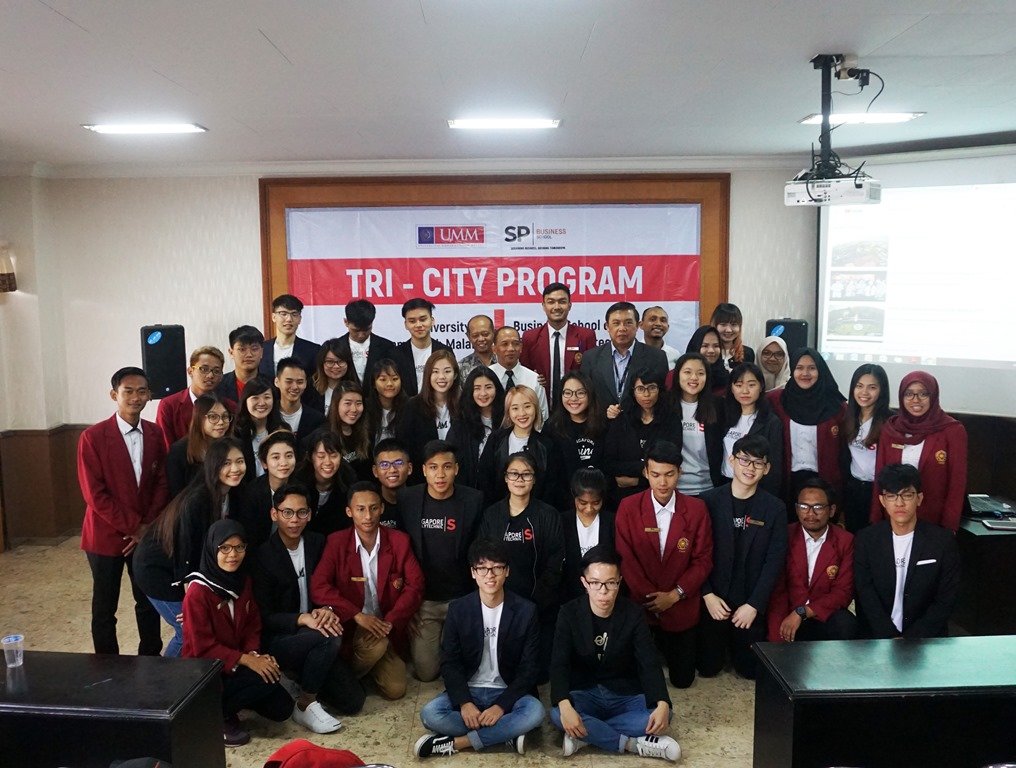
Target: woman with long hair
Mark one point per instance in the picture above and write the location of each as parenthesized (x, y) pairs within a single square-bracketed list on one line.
[(328, 479), (695, 405), (866, 414), (384, 399), (577, 423), (171, 548), (481, 410), (258, 415), (346, 420), (727, 321), (429, 415), (210, 421), (334, 363), (925, 436), (706, 342), (746, 411)]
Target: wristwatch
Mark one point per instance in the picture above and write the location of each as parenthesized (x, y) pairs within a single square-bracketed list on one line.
[(802, 612), (680, 592)]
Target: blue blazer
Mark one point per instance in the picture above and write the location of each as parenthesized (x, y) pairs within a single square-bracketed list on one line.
[(518, 648)]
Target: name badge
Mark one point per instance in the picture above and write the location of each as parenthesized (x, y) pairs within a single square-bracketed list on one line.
[(357, 578), (759, 523), (652, 530), (898, 446)]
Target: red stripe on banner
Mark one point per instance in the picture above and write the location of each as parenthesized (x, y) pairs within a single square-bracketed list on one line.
[(497, 280), (498, 318)]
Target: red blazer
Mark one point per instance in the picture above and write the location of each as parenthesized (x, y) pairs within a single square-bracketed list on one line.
[(829, 445), (338, 579), (687, 562), (943, 468), (832, 585), (115, 505), (209, 632), (536, 349), (175, 412)]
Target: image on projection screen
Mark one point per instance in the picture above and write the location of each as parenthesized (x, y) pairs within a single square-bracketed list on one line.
[(923, 279)]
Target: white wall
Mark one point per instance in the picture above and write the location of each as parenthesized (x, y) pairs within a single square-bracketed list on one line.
[(99, 258)]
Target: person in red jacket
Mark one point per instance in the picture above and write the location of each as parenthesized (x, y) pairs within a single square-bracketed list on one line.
[(222, 621), (665, 540), (175, 411), (556, 342), (810, 599), (370, 577), (924, 436), (122, 472)]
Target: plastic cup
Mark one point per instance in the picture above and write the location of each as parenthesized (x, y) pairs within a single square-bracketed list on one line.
[(14, 650)]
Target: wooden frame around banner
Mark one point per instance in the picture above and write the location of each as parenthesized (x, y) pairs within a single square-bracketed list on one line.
[(710, 191)]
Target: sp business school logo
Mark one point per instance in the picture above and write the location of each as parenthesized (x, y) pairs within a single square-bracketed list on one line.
[(445, 236)]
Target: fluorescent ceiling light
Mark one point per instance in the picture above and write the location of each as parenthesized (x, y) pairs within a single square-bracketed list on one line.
[(863, 118), (146, 128), (503, 124)]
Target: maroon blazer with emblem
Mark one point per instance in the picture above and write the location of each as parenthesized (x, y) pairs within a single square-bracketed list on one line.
[(115, 505), (536, 349), (827, 439), (338, 580), (687, 561), (832, 584)]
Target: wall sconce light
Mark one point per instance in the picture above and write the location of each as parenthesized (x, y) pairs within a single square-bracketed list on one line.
[(8, 281)]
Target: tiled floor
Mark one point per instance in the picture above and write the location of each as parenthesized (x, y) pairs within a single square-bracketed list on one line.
[(45, 595)]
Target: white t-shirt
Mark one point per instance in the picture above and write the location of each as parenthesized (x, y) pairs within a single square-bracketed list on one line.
[(329, 391), (901, 549), (862, 458), (281, 351), (420, 360), (255, 442), (734, 434), (515, 443), (360, 352), (803, 447), (911, 454), (695, 464), (588, 537), (443, 421), (487, 674), (488, 427), (293, 420), (300, 566)]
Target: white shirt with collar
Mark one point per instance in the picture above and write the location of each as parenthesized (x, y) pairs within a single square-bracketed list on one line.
[(526, 376), (811, 548), (368, 562), (134, 440), (664, 517), (564, 348)]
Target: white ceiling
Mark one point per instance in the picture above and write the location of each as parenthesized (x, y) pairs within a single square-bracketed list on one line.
[(368, 80)]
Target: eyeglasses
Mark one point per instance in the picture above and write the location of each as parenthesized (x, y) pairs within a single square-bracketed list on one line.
[(398, 464), (778, 354), (908, 395), (303, 513), (599, 586), (646, 389), (744, 461), (905, 495), (334, 363), (228, 549), (524, 476), (579, 393), (215, 418), (204, 370), (487, 570), (818, 509), (286, 314)]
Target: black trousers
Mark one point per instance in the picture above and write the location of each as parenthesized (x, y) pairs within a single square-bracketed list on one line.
[(107, 573), (841, 625), (717, 639), (244, 689), (678, 649), (320, 669), (856, 503)]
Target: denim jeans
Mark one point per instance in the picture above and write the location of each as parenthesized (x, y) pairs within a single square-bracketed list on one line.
[(169, 610), (441, 716), (610, 719)]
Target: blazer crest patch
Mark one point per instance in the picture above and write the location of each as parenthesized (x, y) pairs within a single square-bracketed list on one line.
[(397, 582), (831, 571), (682, 544), (940, 456)]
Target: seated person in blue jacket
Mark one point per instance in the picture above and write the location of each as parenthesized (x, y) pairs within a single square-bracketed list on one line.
[(489, 664), (606, 684)]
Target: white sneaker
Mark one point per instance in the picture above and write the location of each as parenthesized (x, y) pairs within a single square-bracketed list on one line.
[(658, 746), (518, 744), (571, 746), (315, 719)]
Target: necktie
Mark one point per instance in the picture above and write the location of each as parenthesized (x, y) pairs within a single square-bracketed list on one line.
[(510, 380), (555, 376)]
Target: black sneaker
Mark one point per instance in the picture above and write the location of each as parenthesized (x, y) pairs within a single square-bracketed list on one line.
[(432, 744), (232, 734), (518, 744)]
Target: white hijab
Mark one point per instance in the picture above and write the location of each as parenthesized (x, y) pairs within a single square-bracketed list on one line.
[(775, 380)]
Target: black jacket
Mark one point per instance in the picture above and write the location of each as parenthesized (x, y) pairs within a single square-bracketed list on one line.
[(551, 483), (276, 589), (622, 456), (402, 355), (771, 428), (571, 587)]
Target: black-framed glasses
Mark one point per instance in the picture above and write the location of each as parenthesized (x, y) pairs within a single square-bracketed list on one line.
[(816, 508), (646, 389), (228, 549), (204, 370), (487, 570), (905, 495), (302, 513), (908, 395), (579, 393), (744, 461), (514, 475), (599, 586), (398, 464), (779, 354)]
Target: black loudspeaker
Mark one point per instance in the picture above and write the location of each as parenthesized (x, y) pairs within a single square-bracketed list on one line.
[(164, 358), (794, 332)]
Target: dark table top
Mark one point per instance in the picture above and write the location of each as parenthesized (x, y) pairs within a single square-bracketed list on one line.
[(977, 528), (89, 685), (844, 668)]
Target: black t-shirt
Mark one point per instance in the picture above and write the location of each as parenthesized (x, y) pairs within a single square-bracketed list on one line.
[(587, 448), (391, 517), (520, 537), (738, 588), (600, 635), (446, 573)]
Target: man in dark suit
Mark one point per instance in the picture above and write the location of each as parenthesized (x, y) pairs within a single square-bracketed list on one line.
[(302, 419), (122, 472), (287, 311), (812, 594), (749, 547), (489, 663), (304, 637), (246, 348), (411, 355), (605, 684), (556, 342), (906, 571), (442, 520), (365, 345), (612, 366), (666, 545), (372, 580)]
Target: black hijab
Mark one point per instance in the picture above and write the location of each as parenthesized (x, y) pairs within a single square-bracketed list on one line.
[(821, 401), (719, 375), (223, 583)]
